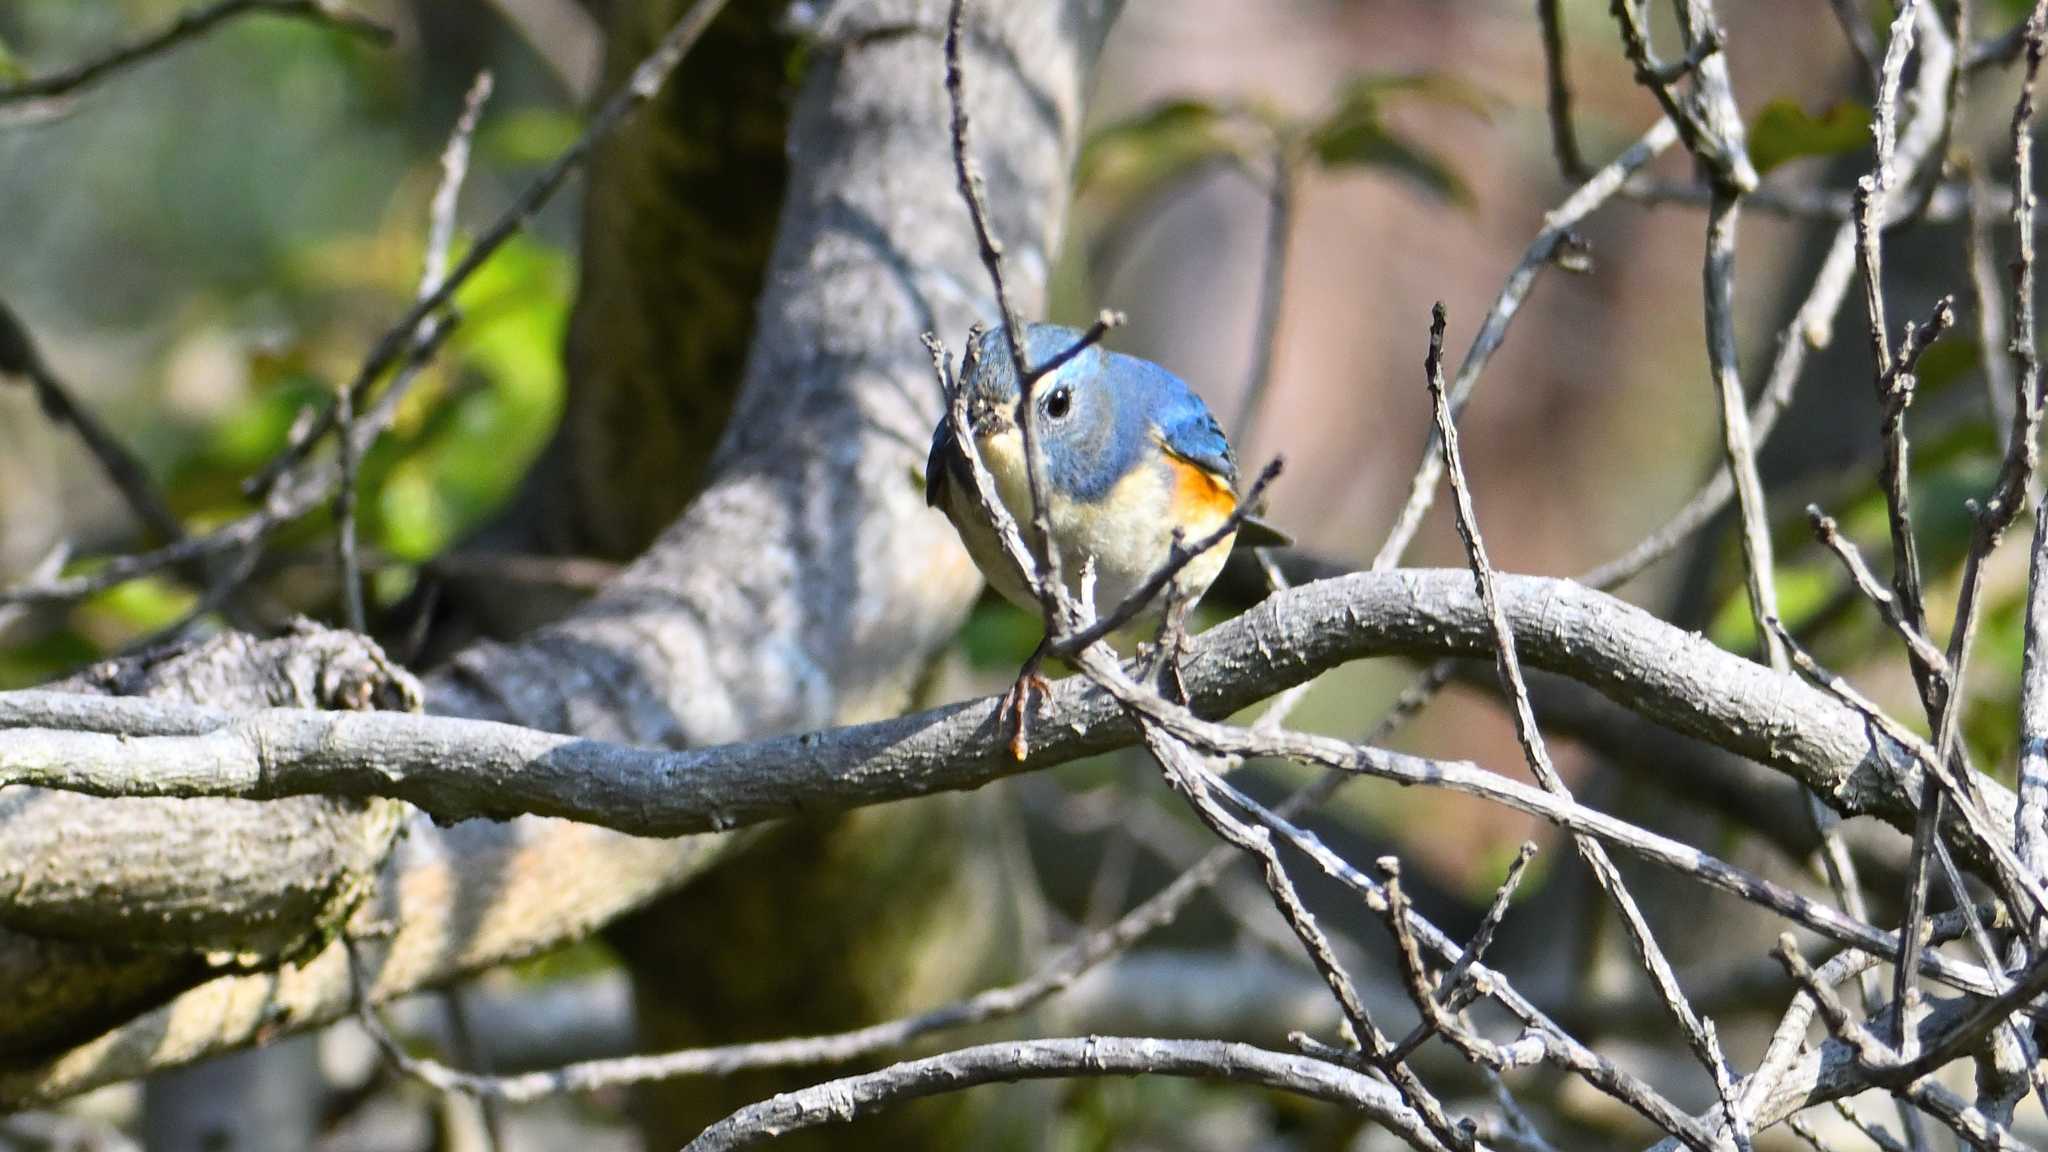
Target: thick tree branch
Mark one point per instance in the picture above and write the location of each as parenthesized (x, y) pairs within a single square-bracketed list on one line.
[(838, 1101), (459, 768), (805, 587)]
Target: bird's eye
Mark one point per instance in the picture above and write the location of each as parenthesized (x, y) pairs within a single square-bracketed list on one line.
[(1058, 403)]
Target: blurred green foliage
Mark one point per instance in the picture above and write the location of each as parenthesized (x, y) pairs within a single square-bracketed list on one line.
[(1128, 168), (1782, 131), (203, 269)]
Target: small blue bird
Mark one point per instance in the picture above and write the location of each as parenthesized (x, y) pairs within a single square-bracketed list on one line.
[(1129, 454)]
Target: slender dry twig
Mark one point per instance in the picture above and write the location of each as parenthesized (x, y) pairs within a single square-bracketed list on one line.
[(1280, 196), (1810, 326), (1184, 770), (1989, 520), (20, 357), (1552, 239), (1737, 444), (1886, 601), (433, 271), (403, 340), (1564, 140), (285, 502), (345, 514), (1856, 30), (839, 1101), (1043, 574), (2030, 821), (1699, 1033), (1454, 986), (1808, 329), (1706, 120), (188, 25), (1987, 297)]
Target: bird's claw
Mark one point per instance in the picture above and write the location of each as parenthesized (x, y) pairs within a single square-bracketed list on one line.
[(1015, 709)]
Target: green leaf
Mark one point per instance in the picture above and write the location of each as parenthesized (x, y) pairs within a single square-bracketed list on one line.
[(1355, 133), (530, 137), (1785, 131), (1803, 589), (11, 70), (1126, 161), (1947, 361)]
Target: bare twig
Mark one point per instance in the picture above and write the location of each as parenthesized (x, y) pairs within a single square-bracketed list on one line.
[(1991, 519), (1043, 574), (1987, 297), (1855, 24), (1810, 326), (1737, 444), (1557, 226), (1564, 140), (839, 1101), (1280, 196), (19, 356), (1185, 771), (345, 514), (1455, 984), (433, 271), (1699, 1033), (404, 338), (1704, 124), (1886, 601), (239, 537), (2030, 822), (185, 26)]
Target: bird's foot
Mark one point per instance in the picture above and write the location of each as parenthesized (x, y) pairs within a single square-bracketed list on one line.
[(1014, 712), (1161, 657)]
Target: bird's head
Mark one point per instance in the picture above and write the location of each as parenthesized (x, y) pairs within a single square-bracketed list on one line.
[(1083, 422)]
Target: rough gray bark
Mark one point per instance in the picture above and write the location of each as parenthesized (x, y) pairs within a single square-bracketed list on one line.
[(219, 875), (808, 583), (460, 769)]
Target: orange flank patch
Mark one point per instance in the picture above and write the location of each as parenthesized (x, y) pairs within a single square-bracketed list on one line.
[(1201, 500)]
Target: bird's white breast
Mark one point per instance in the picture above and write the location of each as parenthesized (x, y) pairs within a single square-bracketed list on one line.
[(1128, 534)]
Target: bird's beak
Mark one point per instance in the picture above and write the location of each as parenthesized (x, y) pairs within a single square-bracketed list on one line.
[(987, 418)]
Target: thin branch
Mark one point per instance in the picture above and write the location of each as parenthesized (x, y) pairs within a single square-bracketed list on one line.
[(1855, 24), (1737, 445), (1542, 251), (1886, 602), (349, 568), (405, 337), (1812, 323), (1699, 1033), (2030, 821), (1987, 296), (1703, 124), (1184, 770), (1564, 140), (1044, 574), (839, 1101), (299, 495), (1456, 983), (1280, 197), (19, 356), (1808, 329), (189, 25), (1991, 519)]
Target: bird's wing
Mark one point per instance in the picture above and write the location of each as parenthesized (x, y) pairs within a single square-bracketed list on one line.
[(1189, 431), (945, 450)]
